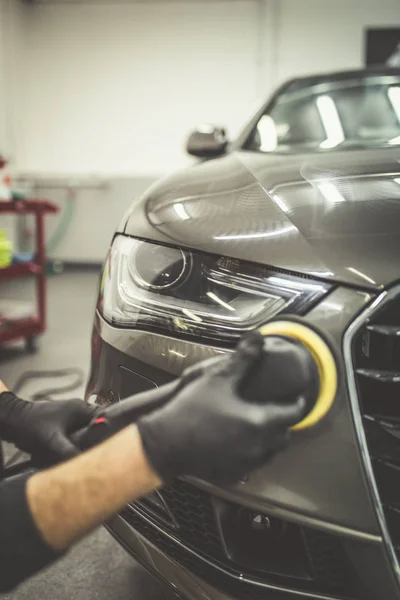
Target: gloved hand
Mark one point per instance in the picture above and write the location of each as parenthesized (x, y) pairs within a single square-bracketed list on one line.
[(43, 429), (209, 431)]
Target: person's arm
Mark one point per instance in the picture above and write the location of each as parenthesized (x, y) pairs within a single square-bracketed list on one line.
[(42, 514), (71, 499), (206, 430)]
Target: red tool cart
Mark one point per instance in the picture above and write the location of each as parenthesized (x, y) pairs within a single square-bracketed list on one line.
[(32, 326)]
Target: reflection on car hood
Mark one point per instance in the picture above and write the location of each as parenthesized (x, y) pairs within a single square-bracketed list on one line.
[(334, 215)]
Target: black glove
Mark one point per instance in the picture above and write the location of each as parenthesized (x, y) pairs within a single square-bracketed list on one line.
[(209, 431), (43, 429)]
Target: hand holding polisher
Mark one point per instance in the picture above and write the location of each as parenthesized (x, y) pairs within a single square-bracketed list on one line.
[(228, 415)]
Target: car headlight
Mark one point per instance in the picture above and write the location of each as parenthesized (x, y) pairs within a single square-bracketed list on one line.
[(152, 286)]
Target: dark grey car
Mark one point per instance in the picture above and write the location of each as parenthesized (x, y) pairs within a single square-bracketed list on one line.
[(301, 215)]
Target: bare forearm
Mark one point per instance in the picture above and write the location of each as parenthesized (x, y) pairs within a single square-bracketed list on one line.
[(71, 499)]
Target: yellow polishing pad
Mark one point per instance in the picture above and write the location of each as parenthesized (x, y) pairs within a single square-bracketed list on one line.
[(325, 362)]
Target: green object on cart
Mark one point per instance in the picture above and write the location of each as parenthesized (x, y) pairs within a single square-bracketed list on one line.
[(18, 195), (5, 250)]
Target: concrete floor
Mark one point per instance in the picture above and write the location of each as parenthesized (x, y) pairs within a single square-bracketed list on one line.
[(97, 568)]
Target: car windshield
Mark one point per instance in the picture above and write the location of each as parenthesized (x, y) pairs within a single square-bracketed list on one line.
[(325, 115)]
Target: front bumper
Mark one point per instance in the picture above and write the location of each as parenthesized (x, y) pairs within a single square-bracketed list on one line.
[(318, 483)]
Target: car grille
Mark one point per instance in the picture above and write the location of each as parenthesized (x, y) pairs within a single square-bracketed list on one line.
[(195, 516), (376, 362), (194, 530)]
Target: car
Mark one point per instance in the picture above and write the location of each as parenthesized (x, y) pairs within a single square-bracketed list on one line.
[(300, 215)]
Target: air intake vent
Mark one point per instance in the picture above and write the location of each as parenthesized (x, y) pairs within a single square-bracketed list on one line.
[(186, 522), (376, 362)]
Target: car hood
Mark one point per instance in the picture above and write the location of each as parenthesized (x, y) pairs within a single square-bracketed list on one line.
[(335, 215)]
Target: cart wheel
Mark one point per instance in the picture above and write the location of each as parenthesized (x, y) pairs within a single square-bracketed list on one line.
[(31, 344)]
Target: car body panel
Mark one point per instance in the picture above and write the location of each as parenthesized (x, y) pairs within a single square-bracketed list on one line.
[(330, 215)]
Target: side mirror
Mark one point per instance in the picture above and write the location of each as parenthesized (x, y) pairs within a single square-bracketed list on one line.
[(207, 142)]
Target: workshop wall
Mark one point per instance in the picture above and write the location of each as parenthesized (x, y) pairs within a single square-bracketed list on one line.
[(106, 92), (111, 91), (12, 16), (114, 88), (11, 20), (318, 35), (3, 92)]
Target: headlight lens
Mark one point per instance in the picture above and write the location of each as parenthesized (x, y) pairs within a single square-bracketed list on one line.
[(152, 286), (158, 268)]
